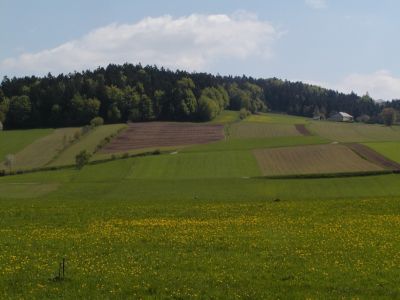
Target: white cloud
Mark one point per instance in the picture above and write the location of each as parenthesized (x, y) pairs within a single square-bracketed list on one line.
[(381, 85), (316, 4), (193, 42)]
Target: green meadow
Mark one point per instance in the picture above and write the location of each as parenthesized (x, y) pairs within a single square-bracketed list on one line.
[(13, 141), (200, 222)]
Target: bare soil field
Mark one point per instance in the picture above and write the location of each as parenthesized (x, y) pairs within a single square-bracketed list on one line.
[(164, 134), (303, 129), (373, 156), (316, 159)]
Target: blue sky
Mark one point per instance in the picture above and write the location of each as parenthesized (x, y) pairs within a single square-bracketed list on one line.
[(345, 45)]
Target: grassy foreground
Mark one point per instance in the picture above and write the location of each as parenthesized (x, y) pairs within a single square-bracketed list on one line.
[(126, 236), (201, 239), (199, 223)]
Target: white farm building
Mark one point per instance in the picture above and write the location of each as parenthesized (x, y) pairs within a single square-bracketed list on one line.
[(341, 117)]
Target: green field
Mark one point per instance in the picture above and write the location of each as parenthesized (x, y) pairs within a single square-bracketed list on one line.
[(262, 130), (274, 118), (201, 222), (349, 132), (389, 149), (218, 237), (13, 141), (42, 151)]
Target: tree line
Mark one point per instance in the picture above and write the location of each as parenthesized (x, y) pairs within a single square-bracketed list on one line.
[(121, 93)]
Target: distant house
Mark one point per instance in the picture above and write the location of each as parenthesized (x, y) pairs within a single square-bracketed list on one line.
[(341, 117)]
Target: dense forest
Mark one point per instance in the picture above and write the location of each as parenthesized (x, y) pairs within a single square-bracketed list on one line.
[(121, 93)]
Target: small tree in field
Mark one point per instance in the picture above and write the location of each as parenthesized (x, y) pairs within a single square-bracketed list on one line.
[(97, 121), (389, 116), (82, 159), (9, 161)]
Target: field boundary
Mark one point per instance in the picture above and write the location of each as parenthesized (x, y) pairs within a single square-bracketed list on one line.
[(373, 156), (330, 175), (71, 166)]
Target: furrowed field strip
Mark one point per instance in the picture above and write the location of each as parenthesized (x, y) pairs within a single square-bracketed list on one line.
[(164, 134), (311, 160), (302, 129), (373, 156)]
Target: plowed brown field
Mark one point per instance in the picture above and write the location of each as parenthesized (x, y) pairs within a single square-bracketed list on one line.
[(164, 134), (374, 156), (318, 159)]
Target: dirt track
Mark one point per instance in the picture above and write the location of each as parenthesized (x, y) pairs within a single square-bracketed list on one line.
[(163, 134), (373, 156), (302, 129)]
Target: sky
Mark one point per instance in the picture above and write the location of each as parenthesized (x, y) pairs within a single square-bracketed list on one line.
[(346, 45)]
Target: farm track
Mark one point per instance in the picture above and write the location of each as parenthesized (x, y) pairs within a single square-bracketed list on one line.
[(164, 134), (301, 128), (373, 156)]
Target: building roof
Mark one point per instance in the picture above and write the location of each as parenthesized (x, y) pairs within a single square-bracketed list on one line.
[(346, 115)]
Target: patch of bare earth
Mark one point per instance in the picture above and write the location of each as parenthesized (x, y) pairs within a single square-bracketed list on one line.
[(374, 156), (163, 134), (314, 159), (302, 129)]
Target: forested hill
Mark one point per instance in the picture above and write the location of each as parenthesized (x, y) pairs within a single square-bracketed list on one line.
[(120, 93)]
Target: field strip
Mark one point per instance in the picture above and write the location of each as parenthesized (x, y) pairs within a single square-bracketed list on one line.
[(316, 159), (373, 156), (262, 130), (303, 129), (164, 134)]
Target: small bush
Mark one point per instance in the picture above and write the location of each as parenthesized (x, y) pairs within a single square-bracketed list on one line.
[(85, 129), (156, 152), (77, 135), (125, 155), (82, 159), (97, 121), (244, 113)]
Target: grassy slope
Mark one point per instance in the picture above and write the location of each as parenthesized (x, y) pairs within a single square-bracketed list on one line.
[(87, 142), (256, 143), (221, 237), (135, 228), (262, 130), (389, 149), (274, 118), (344, 132), (15, 140), (42, 151)]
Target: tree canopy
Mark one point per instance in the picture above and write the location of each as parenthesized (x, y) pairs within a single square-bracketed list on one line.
[(120, 93)]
